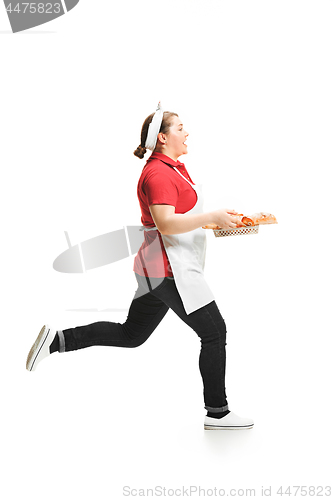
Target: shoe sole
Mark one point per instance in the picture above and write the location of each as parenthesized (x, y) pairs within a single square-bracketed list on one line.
[(35, 350), (220, 428)]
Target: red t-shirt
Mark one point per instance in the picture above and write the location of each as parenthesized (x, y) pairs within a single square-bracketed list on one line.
[(159, 183)]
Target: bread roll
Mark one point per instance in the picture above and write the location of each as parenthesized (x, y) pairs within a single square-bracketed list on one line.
[(251, 220)]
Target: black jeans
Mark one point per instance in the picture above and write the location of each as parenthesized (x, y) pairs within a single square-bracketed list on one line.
[(149, 306)]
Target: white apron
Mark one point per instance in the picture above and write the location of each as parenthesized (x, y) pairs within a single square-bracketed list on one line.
[(186, 253)]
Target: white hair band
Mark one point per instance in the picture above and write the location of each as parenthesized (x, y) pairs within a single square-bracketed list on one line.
[(154, 128)]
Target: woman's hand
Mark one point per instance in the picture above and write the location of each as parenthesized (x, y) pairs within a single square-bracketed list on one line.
[(226, 218)]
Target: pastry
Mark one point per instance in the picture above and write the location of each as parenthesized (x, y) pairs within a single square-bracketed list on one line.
[(249, 220)]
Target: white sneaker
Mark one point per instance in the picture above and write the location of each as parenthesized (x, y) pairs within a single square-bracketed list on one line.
[(228, 422), (41, 347)]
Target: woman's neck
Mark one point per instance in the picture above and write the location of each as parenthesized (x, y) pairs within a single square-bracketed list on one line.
[(165, 151)]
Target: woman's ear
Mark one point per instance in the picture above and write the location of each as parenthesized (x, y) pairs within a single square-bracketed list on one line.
[(162, 138)]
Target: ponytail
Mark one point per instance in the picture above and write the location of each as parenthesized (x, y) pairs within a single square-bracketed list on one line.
[(140, 152)]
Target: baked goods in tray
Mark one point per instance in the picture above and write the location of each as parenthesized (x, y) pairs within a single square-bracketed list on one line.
[(259, 218), (249, 220)]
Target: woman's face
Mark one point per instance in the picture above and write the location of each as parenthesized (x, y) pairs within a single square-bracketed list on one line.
[(175, 139)]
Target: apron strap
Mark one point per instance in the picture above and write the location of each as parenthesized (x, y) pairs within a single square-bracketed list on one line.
[(144, 228), (190, 183)]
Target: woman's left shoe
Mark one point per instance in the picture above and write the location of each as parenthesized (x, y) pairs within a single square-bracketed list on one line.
[(228, 422), (41, 347)]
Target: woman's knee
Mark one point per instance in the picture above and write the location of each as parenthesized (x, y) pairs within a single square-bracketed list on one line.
[(215, 329), (136, 342), (219, 333), (134, 338), (217, 317)]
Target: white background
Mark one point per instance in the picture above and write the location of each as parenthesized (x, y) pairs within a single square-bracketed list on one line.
[(252, 81)]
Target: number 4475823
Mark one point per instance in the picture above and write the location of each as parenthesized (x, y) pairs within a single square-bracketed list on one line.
[(32, 8)]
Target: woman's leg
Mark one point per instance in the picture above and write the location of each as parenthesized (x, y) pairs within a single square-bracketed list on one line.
[(209, 325), (145, 313)]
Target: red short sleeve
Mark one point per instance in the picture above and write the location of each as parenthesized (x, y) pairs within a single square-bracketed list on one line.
[(161, 191)]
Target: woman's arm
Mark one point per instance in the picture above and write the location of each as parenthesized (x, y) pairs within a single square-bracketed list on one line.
[(167, 222)]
